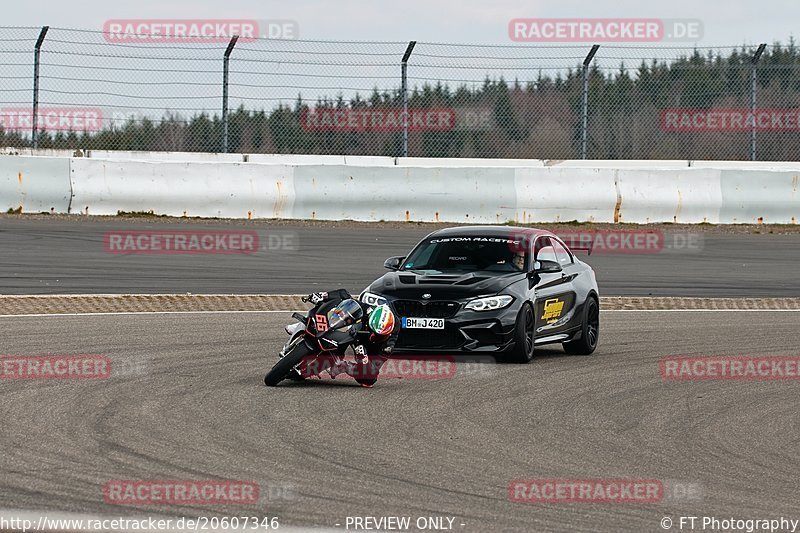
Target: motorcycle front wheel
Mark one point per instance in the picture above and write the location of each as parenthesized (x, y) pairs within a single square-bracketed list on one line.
[(286, 363)]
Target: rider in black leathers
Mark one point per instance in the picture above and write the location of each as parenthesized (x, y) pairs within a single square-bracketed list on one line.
[(371, 350)]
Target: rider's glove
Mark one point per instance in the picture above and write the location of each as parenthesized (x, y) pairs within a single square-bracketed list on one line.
[(317, 297), (361, 353), (381, 339), (389, 346)]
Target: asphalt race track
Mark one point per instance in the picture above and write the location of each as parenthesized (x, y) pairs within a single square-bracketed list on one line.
[(67, 256), (185, 400)]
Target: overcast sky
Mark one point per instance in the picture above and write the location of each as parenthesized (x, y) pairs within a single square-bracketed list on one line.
[(260, 81), (464, 21)]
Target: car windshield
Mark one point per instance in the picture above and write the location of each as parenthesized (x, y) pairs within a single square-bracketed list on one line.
[(468, 254)]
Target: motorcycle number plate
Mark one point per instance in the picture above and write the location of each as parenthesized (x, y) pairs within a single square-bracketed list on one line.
[(423, 323)]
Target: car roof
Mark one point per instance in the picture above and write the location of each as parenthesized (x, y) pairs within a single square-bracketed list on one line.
[(489, 231)]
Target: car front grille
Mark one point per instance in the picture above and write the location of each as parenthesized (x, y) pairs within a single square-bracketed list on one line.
[(432, 309), (449, 338)]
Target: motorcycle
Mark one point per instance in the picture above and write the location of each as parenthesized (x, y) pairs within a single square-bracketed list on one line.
[(318, 343)]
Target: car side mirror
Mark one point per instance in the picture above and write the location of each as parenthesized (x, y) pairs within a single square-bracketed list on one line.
[(393, 263), (546, 267)]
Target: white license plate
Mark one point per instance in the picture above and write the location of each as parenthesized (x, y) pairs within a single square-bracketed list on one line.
[(423, 323)]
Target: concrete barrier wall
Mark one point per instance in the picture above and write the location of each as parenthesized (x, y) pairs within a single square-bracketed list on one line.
[(396, 193), (685, 195), (34, 184), (226, 190), (771, 197), (460, 162), (303, 159), (335, 189), (360, 160), (192, 157), (560, 195)]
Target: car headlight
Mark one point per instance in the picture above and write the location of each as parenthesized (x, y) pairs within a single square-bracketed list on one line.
[(372, 299), (490, 303)]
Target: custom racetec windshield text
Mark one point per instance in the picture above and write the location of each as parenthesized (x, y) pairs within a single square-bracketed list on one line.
[(468, 254)]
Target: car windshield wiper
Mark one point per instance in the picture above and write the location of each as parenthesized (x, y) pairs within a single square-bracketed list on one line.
[(435, 271)]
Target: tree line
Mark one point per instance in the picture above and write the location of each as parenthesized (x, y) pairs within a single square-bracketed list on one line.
[(539, 118)]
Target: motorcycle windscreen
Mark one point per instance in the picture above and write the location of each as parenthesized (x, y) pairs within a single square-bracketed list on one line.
[(345, 314)]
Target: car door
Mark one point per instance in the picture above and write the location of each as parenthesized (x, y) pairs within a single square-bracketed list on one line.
[(554, 294)]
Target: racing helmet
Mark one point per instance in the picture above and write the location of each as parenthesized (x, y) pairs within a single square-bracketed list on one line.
[(381, 320), (345, 314)]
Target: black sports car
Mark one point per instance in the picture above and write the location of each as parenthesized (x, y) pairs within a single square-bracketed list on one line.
[(496, 289)]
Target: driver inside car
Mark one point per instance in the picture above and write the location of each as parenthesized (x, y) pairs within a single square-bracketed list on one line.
[(519, 261)]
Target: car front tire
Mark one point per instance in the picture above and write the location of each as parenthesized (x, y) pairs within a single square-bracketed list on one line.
[(524, 335), (590, 331)]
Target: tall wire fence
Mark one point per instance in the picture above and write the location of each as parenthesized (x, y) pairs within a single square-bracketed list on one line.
[(85, 90)]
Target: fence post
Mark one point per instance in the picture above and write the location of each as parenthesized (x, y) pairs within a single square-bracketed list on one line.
[(585, 99), (225, 70), (35, 114), (404, 89), (753, 67)]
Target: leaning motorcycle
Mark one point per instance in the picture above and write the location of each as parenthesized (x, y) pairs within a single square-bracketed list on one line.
[(318, 343)]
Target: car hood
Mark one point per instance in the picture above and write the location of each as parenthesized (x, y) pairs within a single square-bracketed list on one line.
[(412, 284)]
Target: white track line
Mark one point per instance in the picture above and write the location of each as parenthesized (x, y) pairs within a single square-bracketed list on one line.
[(126, 313), (116, 313), (154, 294), (698, 310)]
